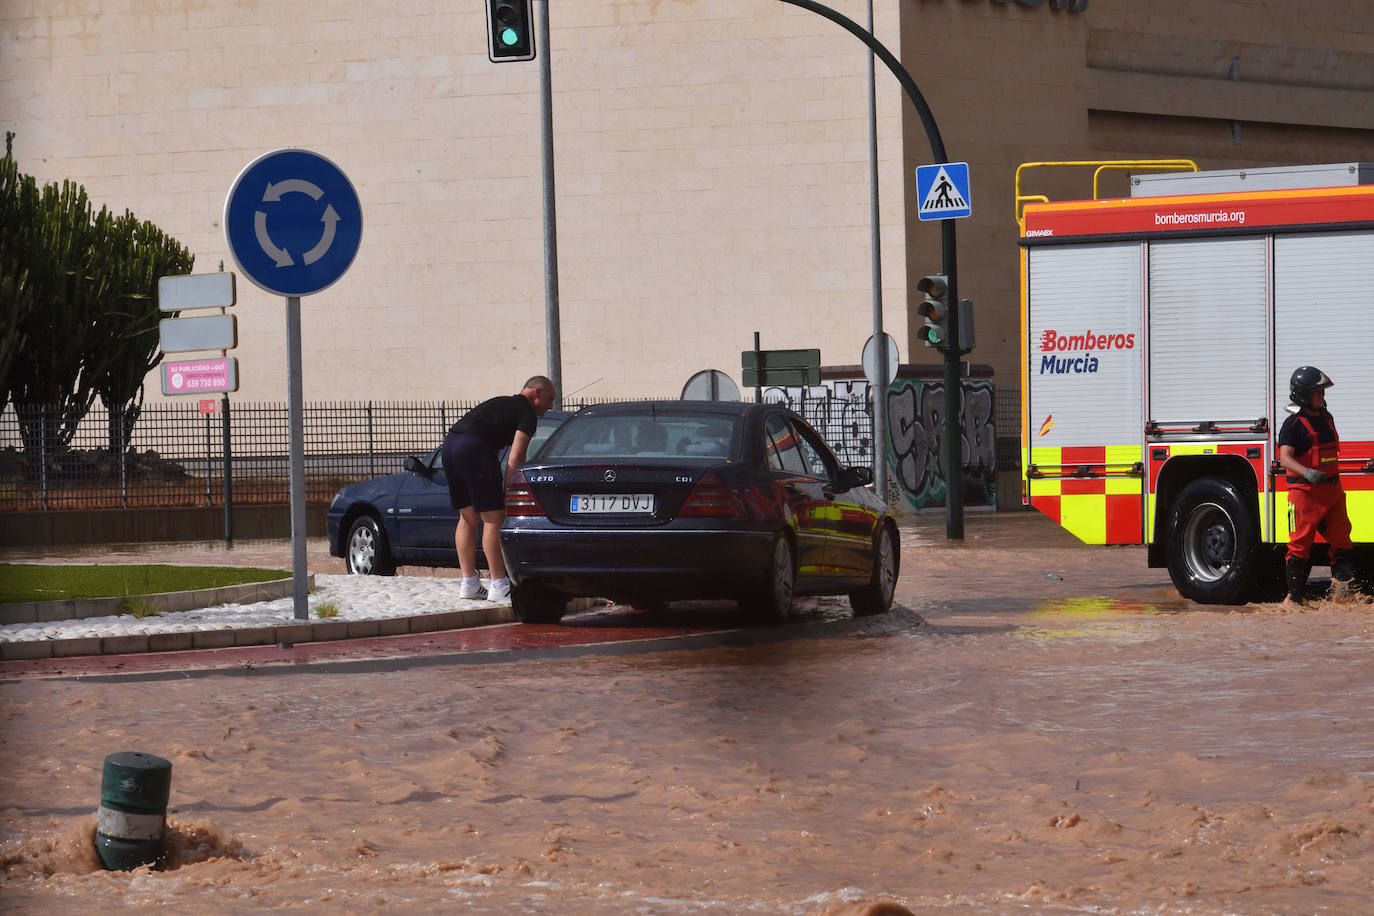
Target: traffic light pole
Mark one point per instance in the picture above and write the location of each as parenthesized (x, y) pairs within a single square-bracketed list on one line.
[(954, 448), (954, 452), (553, 333)]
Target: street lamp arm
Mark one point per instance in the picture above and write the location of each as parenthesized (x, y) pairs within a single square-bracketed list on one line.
[(937, 145)]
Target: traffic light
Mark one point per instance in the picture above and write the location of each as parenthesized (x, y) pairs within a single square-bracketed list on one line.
[(510, 30), (935, 310)]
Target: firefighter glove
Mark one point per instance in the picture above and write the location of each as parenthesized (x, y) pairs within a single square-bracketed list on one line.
[(1313, 475)]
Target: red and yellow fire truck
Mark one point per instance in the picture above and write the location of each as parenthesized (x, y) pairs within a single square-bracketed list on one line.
[(1159, 335)]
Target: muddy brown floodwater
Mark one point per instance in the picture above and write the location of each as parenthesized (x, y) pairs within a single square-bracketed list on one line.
[(1062, 735)]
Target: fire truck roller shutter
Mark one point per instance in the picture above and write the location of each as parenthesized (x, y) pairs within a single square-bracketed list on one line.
[(1324, 316), (1208, 315), (1084, 376)]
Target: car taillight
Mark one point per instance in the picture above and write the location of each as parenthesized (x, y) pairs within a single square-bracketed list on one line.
[(520, 498), (712, 497)]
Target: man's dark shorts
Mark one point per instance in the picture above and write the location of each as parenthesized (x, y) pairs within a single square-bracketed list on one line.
[(474, 476)]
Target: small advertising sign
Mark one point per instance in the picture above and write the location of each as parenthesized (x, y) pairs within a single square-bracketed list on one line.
[(200, 376)]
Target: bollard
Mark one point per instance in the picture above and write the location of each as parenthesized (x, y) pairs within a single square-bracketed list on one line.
[(133, 810)]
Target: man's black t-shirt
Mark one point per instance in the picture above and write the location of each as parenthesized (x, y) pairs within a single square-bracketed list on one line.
[(496, 421), (1295, 433)]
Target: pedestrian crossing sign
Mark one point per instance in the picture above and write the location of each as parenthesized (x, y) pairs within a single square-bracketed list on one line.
[(943, 191)]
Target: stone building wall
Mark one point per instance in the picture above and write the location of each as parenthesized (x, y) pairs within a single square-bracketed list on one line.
[(712, 160)]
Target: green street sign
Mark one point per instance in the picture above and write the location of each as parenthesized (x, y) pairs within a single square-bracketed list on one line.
[(780, 359), (780, 367), (754, 378)]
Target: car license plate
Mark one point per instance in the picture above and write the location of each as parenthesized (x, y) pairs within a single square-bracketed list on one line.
[(606, 503)]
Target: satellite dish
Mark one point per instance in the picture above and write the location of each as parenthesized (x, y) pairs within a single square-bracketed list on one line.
[(710, 385)]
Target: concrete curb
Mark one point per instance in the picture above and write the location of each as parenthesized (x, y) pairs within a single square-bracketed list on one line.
[(298, 632), (164, 602)]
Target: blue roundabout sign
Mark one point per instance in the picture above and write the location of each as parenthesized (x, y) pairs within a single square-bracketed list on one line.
[(293, 222)]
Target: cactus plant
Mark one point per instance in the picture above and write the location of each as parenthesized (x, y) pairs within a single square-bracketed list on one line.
[(78, 299)]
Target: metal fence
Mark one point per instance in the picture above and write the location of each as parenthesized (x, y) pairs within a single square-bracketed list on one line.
[(1007, 422), (177, 456)]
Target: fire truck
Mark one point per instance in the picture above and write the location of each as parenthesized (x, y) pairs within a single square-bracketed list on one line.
[(1159, 333)]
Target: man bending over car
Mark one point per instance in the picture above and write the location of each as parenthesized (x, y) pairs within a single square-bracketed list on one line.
[(477, 482)]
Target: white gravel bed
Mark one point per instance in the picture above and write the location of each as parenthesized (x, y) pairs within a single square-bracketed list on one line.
[(356, 597)]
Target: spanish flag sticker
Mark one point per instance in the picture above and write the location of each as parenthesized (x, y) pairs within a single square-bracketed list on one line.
[(1047, 425)]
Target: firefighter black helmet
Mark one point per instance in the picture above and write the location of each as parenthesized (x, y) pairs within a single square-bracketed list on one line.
[(1305, 380)]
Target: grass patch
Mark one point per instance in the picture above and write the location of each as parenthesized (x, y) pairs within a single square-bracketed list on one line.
[(139, 606), (326, 609), (46, 582)]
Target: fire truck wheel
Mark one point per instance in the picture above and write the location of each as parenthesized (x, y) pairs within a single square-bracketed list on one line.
[(1214, 549)]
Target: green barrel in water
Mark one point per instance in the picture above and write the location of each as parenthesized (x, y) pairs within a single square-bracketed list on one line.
[(133, 810)]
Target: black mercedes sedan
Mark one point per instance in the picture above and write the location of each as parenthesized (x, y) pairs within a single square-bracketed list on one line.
[(657, 501)]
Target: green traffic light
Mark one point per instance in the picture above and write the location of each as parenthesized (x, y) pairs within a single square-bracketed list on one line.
[(509, 37)]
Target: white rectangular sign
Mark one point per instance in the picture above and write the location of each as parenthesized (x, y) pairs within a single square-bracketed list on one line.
[(211, 332), (195, 291), (200, 376)]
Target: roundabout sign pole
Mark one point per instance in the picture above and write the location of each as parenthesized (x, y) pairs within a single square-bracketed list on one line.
[(293, 223)]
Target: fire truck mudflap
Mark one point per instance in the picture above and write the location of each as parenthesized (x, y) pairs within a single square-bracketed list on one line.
[(1158, 337)]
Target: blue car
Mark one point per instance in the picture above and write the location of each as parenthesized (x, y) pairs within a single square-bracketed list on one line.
[(405, 519)]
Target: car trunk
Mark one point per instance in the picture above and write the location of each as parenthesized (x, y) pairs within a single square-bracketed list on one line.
[(620, 496)]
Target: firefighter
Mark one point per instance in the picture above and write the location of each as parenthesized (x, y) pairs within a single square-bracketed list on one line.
[(1309, 450)]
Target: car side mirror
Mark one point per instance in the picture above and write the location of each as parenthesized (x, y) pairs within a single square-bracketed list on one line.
[(415, 465), (858, 477)]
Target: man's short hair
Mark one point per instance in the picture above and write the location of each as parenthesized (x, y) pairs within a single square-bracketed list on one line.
[(538, 381)]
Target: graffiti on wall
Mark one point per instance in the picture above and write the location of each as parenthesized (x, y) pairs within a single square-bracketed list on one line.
[(915, 446), (842, 412)]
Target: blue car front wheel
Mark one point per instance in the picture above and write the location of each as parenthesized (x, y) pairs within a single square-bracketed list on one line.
[(366, 552)]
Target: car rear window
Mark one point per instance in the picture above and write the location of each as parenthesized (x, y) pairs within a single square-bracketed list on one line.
[(542, 431), (645, 436)]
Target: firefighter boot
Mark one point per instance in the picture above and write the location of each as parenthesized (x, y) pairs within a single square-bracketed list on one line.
[(1298, 568), (1342, 571)]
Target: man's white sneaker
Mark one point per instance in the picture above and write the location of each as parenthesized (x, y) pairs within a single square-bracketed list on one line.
[(472, 591), (499, 592)]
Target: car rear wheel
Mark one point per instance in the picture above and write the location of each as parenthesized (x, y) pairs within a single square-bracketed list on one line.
[(367, 553), (534, 603), (772, 603), (876, 596)]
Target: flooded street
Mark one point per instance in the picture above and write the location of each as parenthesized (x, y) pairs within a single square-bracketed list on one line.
[(1063, 734)]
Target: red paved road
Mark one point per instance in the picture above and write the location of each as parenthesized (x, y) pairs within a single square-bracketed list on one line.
[(614, 625)]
